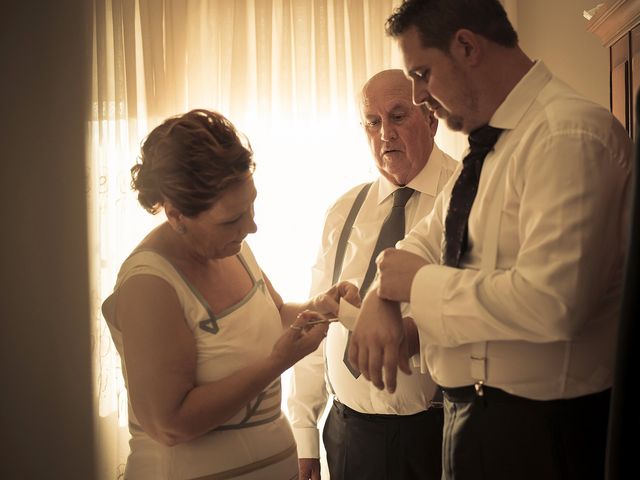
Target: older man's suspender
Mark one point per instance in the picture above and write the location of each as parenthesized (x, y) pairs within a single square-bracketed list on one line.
[(346, 231)]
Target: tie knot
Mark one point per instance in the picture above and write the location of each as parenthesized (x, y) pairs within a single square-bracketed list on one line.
[(401, 196), (484, 138)]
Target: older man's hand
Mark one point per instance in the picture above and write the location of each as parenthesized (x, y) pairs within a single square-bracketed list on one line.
[(378, 342), (396, 270)]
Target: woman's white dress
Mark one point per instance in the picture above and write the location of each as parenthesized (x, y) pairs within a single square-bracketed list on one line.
[(257, 442)]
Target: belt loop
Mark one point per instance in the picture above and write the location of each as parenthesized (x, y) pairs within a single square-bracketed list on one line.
[(437, 401)]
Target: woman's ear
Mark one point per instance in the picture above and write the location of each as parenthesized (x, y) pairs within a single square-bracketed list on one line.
[(174, 217)]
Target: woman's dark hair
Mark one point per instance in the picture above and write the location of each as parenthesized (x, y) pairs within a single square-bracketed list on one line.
[(438, 20), (189, 159)]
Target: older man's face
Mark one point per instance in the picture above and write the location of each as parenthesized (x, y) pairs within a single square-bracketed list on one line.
[(400, 134)]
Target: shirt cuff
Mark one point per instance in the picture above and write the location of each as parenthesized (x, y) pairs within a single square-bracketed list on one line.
[(415, 360), (308, 442), (427, 293)]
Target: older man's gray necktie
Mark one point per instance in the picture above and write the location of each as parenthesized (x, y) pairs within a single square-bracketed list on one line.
[(392, 231), (455, 239)]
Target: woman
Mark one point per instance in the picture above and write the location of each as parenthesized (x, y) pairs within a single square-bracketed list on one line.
[(198, 325)]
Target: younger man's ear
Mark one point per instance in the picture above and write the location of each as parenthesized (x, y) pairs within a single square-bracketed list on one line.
[(466, 46)]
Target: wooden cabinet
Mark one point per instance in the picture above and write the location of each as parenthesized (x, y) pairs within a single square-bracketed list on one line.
[(635, 70), (619, 95), (617, 24)]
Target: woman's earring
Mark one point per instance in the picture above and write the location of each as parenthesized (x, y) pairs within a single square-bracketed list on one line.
[(181, 229)]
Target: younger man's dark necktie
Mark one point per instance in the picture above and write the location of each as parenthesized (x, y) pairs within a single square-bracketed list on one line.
[(481, 142)]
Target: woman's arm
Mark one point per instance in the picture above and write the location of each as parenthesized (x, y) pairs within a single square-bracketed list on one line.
[(160, 358), (326, 303)]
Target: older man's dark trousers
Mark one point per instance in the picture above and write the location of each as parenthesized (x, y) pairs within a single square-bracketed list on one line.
[(383, 447), (498, 436)]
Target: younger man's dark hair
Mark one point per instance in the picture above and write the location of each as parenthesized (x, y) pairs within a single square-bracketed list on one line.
[(438, 20)]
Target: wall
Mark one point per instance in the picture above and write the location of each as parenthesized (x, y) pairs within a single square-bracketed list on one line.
[(46, 413), (555, 31)]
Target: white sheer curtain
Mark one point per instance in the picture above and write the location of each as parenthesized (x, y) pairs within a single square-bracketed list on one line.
[(286, 72)]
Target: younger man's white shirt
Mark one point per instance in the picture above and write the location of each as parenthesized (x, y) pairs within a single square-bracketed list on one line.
[(549, 309)]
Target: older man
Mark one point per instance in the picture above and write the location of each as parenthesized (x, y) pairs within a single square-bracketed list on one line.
[(515, 280), (371, 434)]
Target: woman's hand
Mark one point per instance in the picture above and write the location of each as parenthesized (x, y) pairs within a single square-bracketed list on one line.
[(328, 303), (299, 340), (325, 304)]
